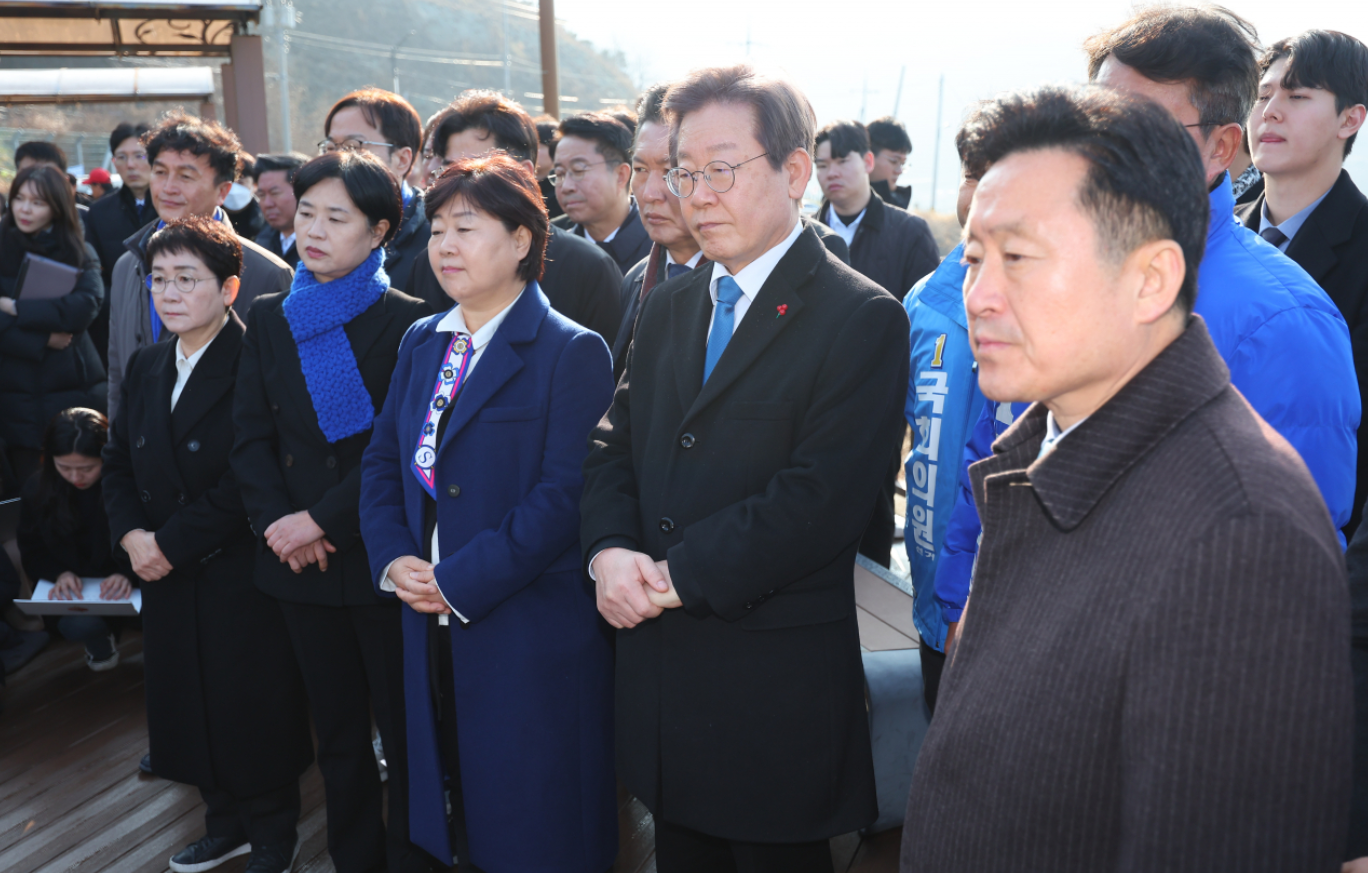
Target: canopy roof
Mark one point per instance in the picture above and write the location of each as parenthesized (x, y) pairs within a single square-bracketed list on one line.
[(102, 85), (123, 27)]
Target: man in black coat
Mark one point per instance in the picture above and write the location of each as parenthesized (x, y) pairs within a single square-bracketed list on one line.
[(592, 173), (1310, 208), (1111, 701), (891, 145), (580, 280), (275, 191), (725, 494)]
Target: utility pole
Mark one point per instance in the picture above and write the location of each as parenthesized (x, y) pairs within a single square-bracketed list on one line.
[(935, 155), (281, 18), (864, 97), (550, 74), (508, 61), (394, 60), (897, 101)]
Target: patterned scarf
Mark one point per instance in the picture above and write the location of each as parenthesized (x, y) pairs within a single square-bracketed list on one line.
[(317, 312)]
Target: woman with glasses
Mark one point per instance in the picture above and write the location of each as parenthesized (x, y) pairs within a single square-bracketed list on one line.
[(225, 707), (47, 360), (470, 513), (315, 370)]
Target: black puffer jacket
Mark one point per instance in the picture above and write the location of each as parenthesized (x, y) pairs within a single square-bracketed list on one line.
[(37, 382)]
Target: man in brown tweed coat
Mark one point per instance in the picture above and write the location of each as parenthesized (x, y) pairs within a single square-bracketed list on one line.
[(1153, 670)]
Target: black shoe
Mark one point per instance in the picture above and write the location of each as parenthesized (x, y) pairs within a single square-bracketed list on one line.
[(273, 859), (145, 765), (207, 853)]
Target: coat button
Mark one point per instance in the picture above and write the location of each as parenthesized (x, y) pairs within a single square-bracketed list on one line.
[(146, 498), (193, 445), (687, 441), (142, 441), (289, 460), (666, 525), (331, 462), (454, 490), (180, 498), (275, 407)]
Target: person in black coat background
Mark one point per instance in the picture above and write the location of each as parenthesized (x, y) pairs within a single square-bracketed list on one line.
[(47, 360), (581, 279), (725, 494), (275, 191), (225, 702), (315, 370), (64, 532)]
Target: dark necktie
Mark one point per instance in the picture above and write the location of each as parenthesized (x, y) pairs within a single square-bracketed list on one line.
[(676, 270), (724, 322), (1274, 236)]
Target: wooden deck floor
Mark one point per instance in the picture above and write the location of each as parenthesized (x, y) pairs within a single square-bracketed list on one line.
[(72, 799)]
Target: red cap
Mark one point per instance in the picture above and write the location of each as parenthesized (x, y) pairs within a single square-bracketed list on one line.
[(98, 176)]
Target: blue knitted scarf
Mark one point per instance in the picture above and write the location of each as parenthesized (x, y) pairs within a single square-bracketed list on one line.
[(317, 312)]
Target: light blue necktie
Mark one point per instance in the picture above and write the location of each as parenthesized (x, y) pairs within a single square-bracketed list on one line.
[(724, 321)]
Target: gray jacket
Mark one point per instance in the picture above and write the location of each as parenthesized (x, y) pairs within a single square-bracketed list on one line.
[(130, 319)]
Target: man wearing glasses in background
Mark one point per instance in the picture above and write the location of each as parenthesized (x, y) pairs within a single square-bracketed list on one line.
[(725, 495), (111, 220), (592, 174), (386, 125)]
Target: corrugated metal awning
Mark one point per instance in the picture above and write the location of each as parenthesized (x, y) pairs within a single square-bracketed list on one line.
[(96, 85)]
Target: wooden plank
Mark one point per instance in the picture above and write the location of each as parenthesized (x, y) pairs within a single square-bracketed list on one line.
[(892, 606), (878, 854), (876, 636)]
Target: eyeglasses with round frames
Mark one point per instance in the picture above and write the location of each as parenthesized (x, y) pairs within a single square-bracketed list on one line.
[(327, 146), (184, 282), (719, 176)]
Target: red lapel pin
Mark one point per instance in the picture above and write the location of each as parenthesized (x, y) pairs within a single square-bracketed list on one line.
[(782, 307)]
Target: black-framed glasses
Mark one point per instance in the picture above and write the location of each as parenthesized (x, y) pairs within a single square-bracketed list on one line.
[(576, 172), (719, 175), (327, 146), (184, 282)]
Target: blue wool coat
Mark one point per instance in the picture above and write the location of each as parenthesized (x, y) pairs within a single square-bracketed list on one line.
[(534, 668)]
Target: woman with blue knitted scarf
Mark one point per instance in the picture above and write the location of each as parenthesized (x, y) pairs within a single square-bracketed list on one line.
[(315, 368)]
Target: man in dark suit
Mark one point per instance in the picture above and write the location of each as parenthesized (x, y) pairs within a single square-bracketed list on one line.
[(275, 191), (591, 171), (580, 280), (1309, 112), (725, 494), (1084, 723), (891, 145)]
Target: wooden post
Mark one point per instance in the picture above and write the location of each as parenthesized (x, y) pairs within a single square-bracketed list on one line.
[(247, 79), (230, 113), (550, 74)]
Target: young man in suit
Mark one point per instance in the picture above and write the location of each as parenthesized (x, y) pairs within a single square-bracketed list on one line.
[(725, 494), (275, 191), (581, 280), (891, 145), (1310, 109), (592, 173), (1112, 702)]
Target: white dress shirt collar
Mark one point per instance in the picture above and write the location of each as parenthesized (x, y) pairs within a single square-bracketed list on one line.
[(691, 263), (286, 242), (1053, 434), (845, 231), (185, 365), (454, 322), (752, 277)]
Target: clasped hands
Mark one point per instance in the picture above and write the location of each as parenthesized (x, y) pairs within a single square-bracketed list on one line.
[(298, 541), (68, 587), (415, 582), (148, 561), (631, 587)]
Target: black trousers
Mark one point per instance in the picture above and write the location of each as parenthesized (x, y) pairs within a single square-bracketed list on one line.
[(448, 743), (352, 661), (683, 850), (264, 820), (933, 665)]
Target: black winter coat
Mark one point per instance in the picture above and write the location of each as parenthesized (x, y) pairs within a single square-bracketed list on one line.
[(409, 246), (225, 701), (85, 550), (110, 221), (892, 247), (37, 382), (284, 462)]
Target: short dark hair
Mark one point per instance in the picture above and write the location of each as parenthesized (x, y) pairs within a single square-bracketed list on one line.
[(546, 129), (1208, 48), (246, 166), (392, 115), (845, 137), (369, 183), (1324, 59), (127, 130), (42, 152), (501, 186), (784, 120), (610, 136), (289, 162), (509, 126), (1145, 182), (888, 133), (650, 108), (179, 131), (209, 240), (626, 116), (972, 121)]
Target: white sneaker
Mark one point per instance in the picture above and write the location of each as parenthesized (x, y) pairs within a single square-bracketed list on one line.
[(108, 663)]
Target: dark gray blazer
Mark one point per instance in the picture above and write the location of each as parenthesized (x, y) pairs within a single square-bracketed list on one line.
[(1153, 672)]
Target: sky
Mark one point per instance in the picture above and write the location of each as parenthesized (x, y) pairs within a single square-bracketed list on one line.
[(848, 55)]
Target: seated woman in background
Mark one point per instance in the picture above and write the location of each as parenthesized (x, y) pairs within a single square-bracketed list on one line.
[(47, 361), (64, 532), (470, 512), (225, 704)]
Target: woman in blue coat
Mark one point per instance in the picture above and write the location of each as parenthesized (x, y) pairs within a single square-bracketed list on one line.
[(470, 514)]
